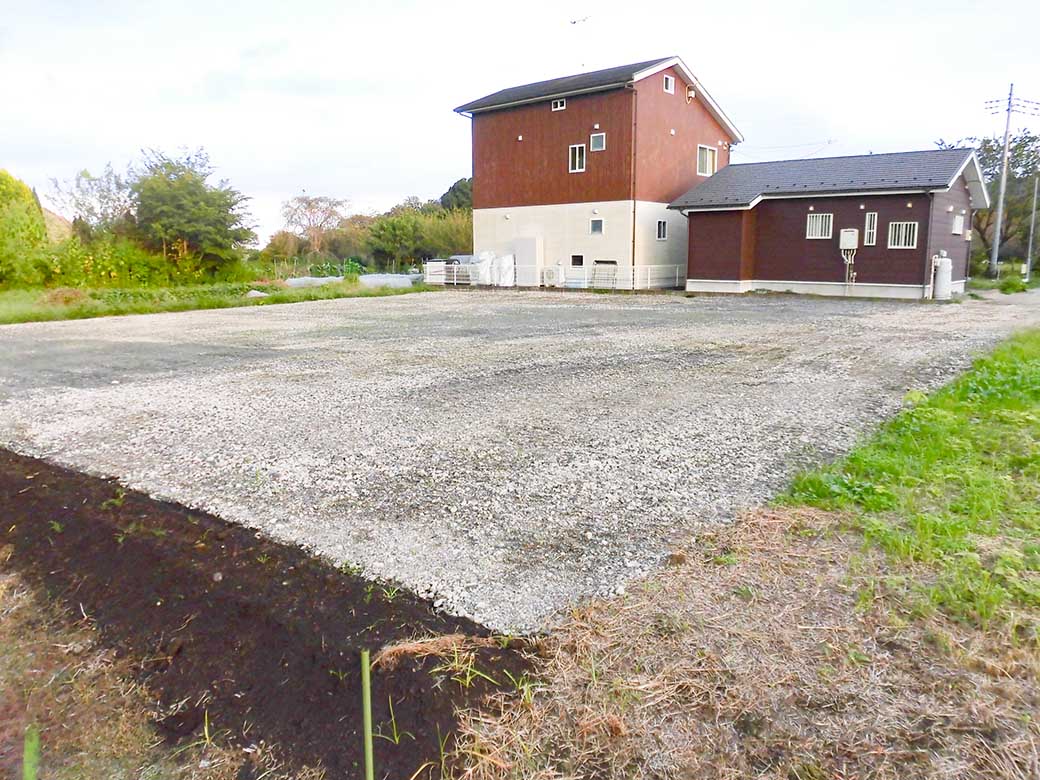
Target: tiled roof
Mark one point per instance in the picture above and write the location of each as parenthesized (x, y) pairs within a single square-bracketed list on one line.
[(737, 186), (595, 81)]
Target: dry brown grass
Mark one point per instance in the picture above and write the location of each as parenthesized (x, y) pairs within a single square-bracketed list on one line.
[(774, 649), (439, 646), (95, 722), (63, 296)]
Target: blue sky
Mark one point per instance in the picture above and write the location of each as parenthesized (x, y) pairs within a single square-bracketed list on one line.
[(355, 99)]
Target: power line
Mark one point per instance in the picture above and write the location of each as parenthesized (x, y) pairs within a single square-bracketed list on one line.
[(1014, 106)]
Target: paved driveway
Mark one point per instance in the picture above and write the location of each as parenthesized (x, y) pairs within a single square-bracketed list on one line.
[(505, 452)]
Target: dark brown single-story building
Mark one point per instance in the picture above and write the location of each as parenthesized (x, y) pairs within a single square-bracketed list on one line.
[(776, 225)]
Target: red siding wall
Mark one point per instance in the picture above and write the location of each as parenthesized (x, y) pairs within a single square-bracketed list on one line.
[(667, 164), (715, 245), (769, 243), (942, 236), (534, 172), (785, 254)]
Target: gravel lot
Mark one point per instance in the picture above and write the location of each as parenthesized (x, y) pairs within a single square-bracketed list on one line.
[(504, 452)]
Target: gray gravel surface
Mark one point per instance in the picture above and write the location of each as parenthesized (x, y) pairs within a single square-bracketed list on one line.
[(506, 453)]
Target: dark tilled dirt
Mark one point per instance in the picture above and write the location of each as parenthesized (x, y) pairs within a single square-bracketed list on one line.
[(261, 637)]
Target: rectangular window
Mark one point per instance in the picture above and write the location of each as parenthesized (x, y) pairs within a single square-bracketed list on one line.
[(958, 224), (577, 158), (559, 105), (597, 142), (596, 227), (870, 229), (669, 84), (662, 230), (707, 160), (577, 261), (902, 235), (819, 225)]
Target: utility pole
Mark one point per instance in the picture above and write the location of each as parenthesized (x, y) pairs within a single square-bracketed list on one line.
[(1032, 229), (1014, 106), (994, 268)]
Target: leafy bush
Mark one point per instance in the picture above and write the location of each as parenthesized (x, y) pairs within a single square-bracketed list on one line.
[(1013, 284)]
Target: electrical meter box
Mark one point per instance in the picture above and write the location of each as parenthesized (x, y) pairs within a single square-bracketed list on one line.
[(849, 239)]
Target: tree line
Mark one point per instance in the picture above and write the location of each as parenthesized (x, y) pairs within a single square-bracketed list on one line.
[(319, 228), (1023, 167)]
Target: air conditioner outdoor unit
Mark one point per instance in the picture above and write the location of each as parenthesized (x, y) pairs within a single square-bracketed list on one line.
[(551, 276)]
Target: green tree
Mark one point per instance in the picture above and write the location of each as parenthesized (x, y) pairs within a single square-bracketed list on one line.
[(394, 237), (1023, 165), (178, 211), (350, 237), (23, 233), (459, 195)]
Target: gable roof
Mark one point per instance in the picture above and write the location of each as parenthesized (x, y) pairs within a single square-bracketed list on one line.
[(596, 81), (744, 185)]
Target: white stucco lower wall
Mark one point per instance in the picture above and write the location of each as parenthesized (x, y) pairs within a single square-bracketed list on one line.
[(565, 230), (858, 290)]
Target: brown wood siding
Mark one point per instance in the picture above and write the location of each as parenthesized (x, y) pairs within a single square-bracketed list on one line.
[(715, 245), (534, 171), (667, 164), (941, 235), (783, 253)]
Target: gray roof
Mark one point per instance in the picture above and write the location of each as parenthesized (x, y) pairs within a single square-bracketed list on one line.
[(740, 186), (595, 81)]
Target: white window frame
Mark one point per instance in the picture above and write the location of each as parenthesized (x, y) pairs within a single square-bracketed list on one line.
[(592, 142), (662, 235), (958, 225), (669, 84), (815, 224), (559, 104), (572, 166), (911, 231), (714, 157), (870, 229), (602, 226)]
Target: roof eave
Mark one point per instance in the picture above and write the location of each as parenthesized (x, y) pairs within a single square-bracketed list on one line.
[(976, 182), (466, 110), (735, 135)]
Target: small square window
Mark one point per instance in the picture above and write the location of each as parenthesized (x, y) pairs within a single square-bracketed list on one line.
[(560, 104), (669, 84), (902, 235), (819, 225), (577, 158), (596, 227), (577, 261), (597, 142), (662, 230), (707, 160)]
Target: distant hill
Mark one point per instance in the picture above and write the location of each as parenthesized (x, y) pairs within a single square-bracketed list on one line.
[(58, 228)]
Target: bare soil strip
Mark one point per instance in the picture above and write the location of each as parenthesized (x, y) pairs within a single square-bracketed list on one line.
[(261, 640)]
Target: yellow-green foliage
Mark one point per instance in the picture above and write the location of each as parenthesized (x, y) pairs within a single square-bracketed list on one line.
[(22, 231)]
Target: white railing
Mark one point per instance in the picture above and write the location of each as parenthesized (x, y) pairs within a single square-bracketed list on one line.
[(594, 277), (622, 277)]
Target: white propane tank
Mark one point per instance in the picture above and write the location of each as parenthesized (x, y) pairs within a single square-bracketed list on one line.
[(943, 278)]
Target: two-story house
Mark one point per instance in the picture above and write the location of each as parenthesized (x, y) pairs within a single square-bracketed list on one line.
[(573, 176)]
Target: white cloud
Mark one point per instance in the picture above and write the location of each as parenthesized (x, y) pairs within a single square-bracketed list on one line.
[(355, 99)]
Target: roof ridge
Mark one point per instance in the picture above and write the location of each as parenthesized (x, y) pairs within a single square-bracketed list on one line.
[(848, 156)]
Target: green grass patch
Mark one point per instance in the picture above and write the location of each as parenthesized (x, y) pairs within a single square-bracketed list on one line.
[(74, 303), (953, 482)]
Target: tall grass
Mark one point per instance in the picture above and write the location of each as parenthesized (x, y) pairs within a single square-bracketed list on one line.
[(77, 303), (953, 483)]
